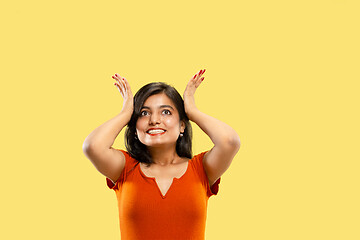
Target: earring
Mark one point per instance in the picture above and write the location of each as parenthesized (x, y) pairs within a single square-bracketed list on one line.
[(181, 134)]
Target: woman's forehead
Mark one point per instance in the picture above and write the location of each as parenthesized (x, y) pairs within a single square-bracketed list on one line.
[(158, 100)]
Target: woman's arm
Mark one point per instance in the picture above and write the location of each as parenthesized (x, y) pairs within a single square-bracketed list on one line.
[(226, 140), (97, 145)]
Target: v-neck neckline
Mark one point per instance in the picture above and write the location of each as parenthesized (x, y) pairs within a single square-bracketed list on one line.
[(172, 183)]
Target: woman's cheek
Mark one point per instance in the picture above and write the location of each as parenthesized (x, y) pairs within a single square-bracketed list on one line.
[(170, 120), (140, 125)]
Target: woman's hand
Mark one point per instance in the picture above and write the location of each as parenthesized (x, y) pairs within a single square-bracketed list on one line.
[(124, 88), (189, 99)]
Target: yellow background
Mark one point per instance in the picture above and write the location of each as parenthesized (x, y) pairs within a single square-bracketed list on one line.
[(283, 74)]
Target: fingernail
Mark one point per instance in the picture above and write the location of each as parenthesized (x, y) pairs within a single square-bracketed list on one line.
[(116, 74)]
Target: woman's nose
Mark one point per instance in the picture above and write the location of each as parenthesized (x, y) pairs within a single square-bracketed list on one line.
[(154, 119)]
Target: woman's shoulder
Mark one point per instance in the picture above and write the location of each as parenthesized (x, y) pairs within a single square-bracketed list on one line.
[(199, 168), (199, 155), (130, 164), (128, 158), (197, 160)]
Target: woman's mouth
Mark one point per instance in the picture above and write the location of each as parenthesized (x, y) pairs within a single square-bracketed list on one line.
[(154, 132)]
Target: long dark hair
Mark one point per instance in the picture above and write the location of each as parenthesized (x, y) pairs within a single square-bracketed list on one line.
[(133, 145)]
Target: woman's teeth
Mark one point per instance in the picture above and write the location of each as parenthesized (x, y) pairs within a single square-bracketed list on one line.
[(155, 131)]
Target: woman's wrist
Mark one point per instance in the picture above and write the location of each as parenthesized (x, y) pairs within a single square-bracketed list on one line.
[(192, 113), (127, 112)]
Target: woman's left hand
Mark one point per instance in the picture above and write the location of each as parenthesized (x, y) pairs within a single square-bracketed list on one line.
[(189, 99)]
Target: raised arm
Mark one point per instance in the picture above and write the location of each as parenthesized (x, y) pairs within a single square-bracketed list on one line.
[(226, 140), (98, 145)]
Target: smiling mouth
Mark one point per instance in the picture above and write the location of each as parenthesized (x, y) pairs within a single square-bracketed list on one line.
[(155, 132)]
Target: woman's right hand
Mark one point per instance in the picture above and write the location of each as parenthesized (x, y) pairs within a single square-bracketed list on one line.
[(124, 88)]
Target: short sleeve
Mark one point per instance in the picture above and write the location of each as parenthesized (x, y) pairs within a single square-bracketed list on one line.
[(198, 161), (129, 163)]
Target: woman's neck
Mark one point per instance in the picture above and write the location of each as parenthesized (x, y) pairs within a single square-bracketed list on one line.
[(164, 156)]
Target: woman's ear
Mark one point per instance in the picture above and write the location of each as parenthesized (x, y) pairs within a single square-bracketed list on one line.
[(182, 126)]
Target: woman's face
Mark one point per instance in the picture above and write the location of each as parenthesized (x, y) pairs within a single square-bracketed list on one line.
[(159, 122)]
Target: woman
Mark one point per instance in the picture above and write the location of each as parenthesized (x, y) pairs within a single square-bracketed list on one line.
[(162, 191)]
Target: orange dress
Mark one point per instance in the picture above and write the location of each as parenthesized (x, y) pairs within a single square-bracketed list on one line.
[(146, 214)]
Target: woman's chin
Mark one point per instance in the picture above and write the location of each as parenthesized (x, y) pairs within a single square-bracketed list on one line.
[(159, 144)]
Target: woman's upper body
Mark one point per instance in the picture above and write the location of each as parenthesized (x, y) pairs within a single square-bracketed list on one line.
[(159, 136), (152, 207)]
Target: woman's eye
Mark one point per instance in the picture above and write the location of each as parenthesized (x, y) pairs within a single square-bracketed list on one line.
[(144, 113), (166, 112)]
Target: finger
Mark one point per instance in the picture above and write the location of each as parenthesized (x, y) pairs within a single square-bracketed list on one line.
[(124, 81), (127, 85), (122, 84), (116, 77), (117, 83), (198, 75), (197, 84), (201, 72), (193, 77), (120, 80), (198, 78), (192, 82), (119, 88)]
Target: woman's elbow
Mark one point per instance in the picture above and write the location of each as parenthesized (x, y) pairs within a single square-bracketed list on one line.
[(235, 142), (232, 143)]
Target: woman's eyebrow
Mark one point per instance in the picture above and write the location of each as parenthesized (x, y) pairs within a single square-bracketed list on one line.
[(161, 106), (166, 106)]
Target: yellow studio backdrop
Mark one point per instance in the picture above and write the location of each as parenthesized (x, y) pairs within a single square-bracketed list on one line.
[(283, 74)]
